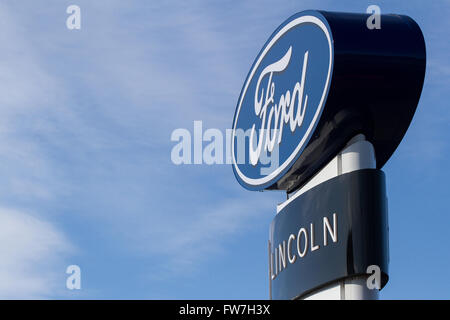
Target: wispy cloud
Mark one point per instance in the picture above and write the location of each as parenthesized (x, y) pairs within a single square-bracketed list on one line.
[(85, 128), (186, 240), (31, 250)]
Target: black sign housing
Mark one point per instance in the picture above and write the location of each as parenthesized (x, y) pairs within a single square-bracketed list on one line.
[(376, 84)]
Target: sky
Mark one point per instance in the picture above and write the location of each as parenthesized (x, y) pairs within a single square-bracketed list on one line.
[(86, 118)]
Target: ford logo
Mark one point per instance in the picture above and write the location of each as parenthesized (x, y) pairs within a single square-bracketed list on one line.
[(282, 100)]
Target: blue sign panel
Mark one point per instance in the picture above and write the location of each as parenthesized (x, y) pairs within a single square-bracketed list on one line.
[(282, 100)]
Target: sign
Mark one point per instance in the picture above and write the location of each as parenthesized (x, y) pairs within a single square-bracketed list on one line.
[(320, 79), (284, 95), (333, 231)]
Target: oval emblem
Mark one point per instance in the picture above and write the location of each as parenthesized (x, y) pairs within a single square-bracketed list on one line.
[(282, 100)]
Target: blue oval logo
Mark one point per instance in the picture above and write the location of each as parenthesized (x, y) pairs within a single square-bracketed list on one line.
[(282, 100)]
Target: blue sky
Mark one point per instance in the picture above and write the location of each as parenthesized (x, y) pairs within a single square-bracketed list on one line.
[(85, 123)]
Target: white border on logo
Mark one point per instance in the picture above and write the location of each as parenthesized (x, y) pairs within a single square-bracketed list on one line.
[(286, 28)]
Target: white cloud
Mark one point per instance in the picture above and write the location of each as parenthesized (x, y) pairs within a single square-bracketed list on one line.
[(87, 114), (27, 94), (31, 248), (31, 252), (185, 239)]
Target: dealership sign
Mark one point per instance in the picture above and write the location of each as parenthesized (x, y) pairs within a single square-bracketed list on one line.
[(321, 78)]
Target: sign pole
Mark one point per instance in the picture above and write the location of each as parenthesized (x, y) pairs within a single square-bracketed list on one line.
[(324, 106)]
